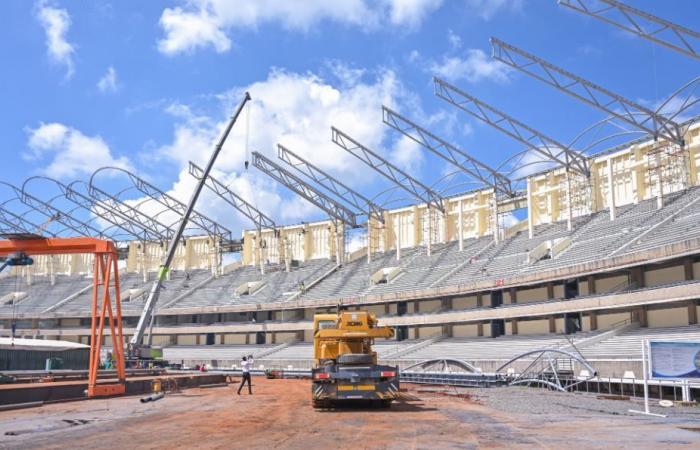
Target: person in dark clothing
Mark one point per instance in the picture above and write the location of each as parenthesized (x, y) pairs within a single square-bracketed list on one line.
[(246, 365)]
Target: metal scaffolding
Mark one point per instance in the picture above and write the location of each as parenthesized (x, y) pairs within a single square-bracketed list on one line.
[(643, 24)]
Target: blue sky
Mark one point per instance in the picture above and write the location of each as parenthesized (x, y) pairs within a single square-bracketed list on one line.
[(146, 85)]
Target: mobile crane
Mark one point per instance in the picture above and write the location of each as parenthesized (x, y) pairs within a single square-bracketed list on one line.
[(137, 350), (345, 367)]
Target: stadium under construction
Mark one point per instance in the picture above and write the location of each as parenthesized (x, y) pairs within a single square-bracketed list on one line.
[(550, 270)]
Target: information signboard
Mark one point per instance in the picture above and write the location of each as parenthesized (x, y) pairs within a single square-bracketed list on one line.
[(674, 359)]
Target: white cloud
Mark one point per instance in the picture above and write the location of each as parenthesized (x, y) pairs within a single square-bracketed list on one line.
[(296, 110), (454, 39), (407, 154), (473, 67), (487, 9), (56, 23), (187, 31), (71, 152), (206, 23), (411, 12), (108, 82)]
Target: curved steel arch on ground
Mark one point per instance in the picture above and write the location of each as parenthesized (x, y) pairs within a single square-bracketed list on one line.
[(167, 201), (442, 365), (544, 369)]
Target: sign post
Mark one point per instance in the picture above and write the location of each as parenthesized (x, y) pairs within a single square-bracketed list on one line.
[(645, 368)]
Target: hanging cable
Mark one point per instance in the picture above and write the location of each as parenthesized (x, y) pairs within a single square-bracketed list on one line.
[(247, 135)]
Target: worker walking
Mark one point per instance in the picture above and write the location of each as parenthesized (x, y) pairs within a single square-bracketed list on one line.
[(246, 365)]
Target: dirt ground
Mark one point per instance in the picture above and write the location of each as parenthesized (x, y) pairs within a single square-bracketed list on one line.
[(279, 415)]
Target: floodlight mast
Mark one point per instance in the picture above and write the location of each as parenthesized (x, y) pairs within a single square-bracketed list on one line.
[(455, 156), (136, 348), (588, 92), (332, 184), (680, 39), (304, 190)]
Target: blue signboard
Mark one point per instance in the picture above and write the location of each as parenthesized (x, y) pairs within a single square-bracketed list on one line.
[(674, 359)]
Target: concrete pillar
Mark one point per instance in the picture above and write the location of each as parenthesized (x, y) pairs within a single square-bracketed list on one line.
[(640, 315), (569, 209), (552, 325), (513, 296), (398, 239), (494, 208), (273, 338), (692, 313), (688, 268), (637, 277), (460, 225), (430, 230), (480, 329), (514, 326), (591, 285), (594, 320), (447, 330), (530, 212), (416, 332), (247, 338), (479, 300), (611, 190), (369, 240), (416, 306), (387, 308), (550, 290), (446, 304)]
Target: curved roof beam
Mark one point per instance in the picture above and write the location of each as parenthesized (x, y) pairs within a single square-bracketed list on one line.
[(205, 223)]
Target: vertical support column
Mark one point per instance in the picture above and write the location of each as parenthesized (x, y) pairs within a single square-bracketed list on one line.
[(530, 212), (397, 241), (430, 229), (260, 253), (460, 225), (480, 329), (369, 239), (569, 209), (591, 284), (550, 290), (494, 206), (308, 242), (689, 275), (593, 315), (552, 324), (514, 326), (513, 296), (479, 300), (611, 189)]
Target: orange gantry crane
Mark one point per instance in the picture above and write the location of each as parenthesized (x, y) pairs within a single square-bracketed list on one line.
[(106, 301)]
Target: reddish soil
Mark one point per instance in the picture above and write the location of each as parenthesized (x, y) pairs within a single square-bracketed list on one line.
[(279, 415)]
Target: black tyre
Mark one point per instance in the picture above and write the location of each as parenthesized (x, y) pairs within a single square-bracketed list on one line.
[(355, 359)]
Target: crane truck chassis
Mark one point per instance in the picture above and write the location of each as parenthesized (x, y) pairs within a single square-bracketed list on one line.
[(345, 367)]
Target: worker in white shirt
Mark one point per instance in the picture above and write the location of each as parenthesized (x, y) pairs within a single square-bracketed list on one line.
[(246, 365)]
